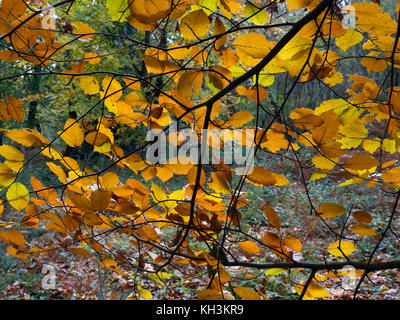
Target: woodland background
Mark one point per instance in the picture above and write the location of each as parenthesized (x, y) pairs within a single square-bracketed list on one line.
[(51, 98)]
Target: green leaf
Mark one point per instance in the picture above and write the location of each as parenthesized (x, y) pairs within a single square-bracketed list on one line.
[(118, 10)]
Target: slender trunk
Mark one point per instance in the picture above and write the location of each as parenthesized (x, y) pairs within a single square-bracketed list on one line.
[(33, 106)]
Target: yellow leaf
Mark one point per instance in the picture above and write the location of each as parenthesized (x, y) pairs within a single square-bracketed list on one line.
[(58, 171), (261, 176), (27, 137), (149, 11), (192, 176), (314, 290), (89, 85), (112, 92), (190, 83), (210, 6), (324, 163), (92, 57), (110, 263), (338, 248), (16, 237), (15, 109), (297, 4), (177, 52), (195, 25), (351, 38), (361, 161), (371, 145), (218, 183), (223, 275), (220, 77), (363, 230), (18, 196), (6, 176), (158, 193), (281, 180), (208, 294), (249, 247), (83, 30), (229, 57), (30, 219), (257, 15), (391, 175), (389, 145), (328, 130), (334, 79), (330, 210), (274, 271), (73, 133), (164, 173), (239, 119), (97, 138), (265, 79), (219, 29), (246, 293), (253, 93), (378, 24), (252, 47), (337, 105), (15, 158), (292, 243), (145, 294)]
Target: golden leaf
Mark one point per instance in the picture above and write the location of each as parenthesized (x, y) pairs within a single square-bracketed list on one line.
[(73, 133), (338, 248), (331, 210), (249, 247)]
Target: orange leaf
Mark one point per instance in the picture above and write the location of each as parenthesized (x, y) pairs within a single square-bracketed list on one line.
[(272, 217), (249, 247), (330, 210), (246, 293), (261, 177)]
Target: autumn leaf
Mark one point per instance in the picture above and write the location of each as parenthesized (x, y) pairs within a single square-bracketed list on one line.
[(351, 38), (261, 177), (89, 85), (118, 10), (362, 216), (83, 30), (27, 137), (249, 247), (363, 230), (18, 196), (256, 15), (73, 133), (341, 248), (208, 294), (246, 293), (16, 237), (361, 161), (314, 290), (272, 217), (331, 210), (195, 25), (292, 243), (14, 158), (252, 47)]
